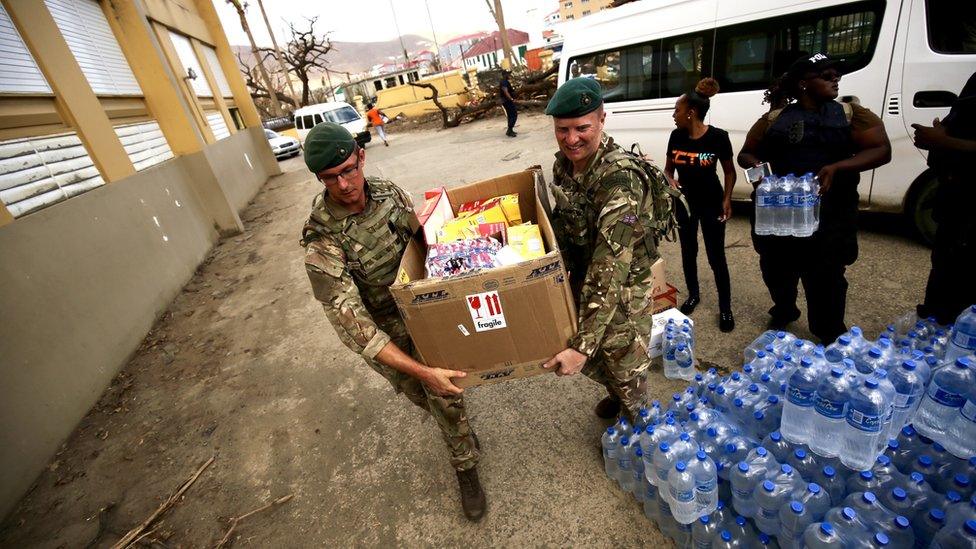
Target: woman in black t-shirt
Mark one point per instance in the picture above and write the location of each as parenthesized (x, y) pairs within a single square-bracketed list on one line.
[(695, 149)]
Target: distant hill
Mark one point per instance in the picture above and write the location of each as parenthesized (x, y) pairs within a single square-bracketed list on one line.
[(357, 57)]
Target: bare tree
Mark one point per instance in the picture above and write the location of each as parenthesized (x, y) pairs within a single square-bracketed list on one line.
[(499, 16), (304, 54), (275, 105), (274, 42), (259, 91)]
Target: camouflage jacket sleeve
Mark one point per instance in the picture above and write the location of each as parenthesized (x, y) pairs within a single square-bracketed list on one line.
[(619, 201), (333, 286)]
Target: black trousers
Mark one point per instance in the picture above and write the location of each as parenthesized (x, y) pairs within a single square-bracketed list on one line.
[(951, 286), (512, 113), (713, 233)]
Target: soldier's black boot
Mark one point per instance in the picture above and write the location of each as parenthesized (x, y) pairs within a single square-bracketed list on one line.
[(608, 408), (472, 496)]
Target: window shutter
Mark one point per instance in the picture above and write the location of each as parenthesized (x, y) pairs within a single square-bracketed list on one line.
[(217, 125), (18, 71), (40, 171), (144, 143), (189, 60), (222, 85), (85, 29)]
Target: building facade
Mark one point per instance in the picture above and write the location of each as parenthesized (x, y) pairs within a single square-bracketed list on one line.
[(487, 53), (570, 10)]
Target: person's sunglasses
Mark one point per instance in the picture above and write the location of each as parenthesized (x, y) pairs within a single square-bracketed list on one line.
[(345, 174)]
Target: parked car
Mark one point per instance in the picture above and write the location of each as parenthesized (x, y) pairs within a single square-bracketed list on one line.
[(281, 145), (337, 112)]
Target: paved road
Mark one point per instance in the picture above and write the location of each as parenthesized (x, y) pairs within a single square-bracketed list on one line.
[(260, 379)]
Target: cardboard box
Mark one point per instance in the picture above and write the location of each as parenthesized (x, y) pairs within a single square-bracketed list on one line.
[(657, 329), (666, 299), (436, 211), (660, 284), (495, 324)]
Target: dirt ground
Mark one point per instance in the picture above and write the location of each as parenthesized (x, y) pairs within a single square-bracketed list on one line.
[(244, 367)]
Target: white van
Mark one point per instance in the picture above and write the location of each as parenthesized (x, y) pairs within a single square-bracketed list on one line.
[(340, 113), (904, 59)]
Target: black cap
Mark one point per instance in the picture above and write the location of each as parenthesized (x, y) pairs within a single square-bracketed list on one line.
[(807, 64)]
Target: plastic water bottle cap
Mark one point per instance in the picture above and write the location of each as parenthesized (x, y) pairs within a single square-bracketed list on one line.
[(761, 452), (764, 378), (899, 493), (768, 485), (796, 507), (880, 539), (867, 475), (827, 528), (963, 362), (711, 432), (711, 386), (730, 448), (844, 340), (737, 402), (676, 397), (772, 399), (720, 506), (638, 429), (701, 455), (908, 430), (758, 415), (786, 469), (971, 526), (871, 383), (781, 334), (726, 535), (917, 477), (764, 539), (740, 521), (938, 515), (902, 522), (856, 331), (698, 377), (670, 420), (611, 431), (743, 466), (704, 519), (806, 362), (623, 422), (693, 416), (829, 471), (760, 354), (747, 368), (681, 347), (884, 460), (813, 488), (848, 513), (893, 444), (953, 497), (800, 453), (680, 466), (938, 447), (720, 390), (655, 404), (638, 452), (625, 441), (664, 447), (736, 376), (778, 365), (925, 461), (848, 363), (775, 436), (836, 372), (909, 365), (961, 480), (874, 352), (643, 412), (753, 388), (690, 406), (869, 497), (685, 437)]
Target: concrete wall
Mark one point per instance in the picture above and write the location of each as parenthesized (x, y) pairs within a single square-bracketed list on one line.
[(82, 282)]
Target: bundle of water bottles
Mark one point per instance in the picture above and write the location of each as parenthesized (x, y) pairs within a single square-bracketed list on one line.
[(774, 455), (788, 205), (678, 350)]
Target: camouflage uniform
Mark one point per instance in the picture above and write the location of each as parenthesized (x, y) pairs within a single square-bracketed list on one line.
[(603, 221), (351, 260)]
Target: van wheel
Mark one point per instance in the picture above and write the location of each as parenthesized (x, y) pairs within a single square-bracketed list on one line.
[(921, 206)]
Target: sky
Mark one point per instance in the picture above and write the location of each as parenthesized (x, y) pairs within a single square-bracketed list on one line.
[(373, 20)]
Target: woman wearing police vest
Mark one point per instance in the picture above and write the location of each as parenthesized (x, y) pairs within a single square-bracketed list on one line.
[(814, 133)]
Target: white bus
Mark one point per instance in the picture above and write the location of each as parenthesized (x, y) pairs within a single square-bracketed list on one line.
[(904, 59)]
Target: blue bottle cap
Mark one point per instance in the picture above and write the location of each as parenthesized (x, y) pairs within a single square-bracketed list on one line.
[(693, 416), (866, 475), (902, 522), (856, 331), (953, 497), (720, 506), (711, 432), (720, 390), (871, 383), (776, 436), (760, 354), (655, 403), (806, 362), (768, 485), (764, 539), (772, 399), (638, 429), (836, 372), (611, 431), (681, 347), (799, 453), (880, 539), (909, 365), (781, 334), (796, 507), (670, 420), (829, 471), (844, 340), (701, 455), (925, 460), (753, 388), (664, 447), (848, 363), (726, 535), (625, 441), (893, 444), (736, 376), (623, 421), (747, 368), (758, 415), (680, 466), (761, 452), (730, 448), (916, 477), (961, 480), (964, 362), (848, 513), (908, 430), (685, 437), (827, 528), (737, 402), (938, 447), (676, 397), (786, 469), (971, 526), (689, 407), (743, 466), (740, 520), (874, 352), (813, 488), (899, 493), (870, 498), (704, 519), (938, 515), (698, 377), (764, 378)]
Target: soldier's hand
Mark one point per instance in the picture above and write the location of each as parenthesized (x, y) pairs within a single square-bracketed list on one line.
[(569, 362), (438, 380)]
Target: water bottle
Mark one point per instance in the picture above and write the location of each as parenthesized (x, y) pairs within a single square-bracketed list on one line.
[(794, 519), (706, 483), (927, 526), (896, 500), (919, 491), (681, 488), (668, 360), (684, 362), (886, 472), (783, 343), (925, 466), (960, 437), (783, 211), (821, 535), (624, 428), (849, 526), (832, 483), (903, 452), (864, 427), (816, 500), (798, 408), (957, 538), (651, 495), (888, 389), (625, 474), (830, 404), (812, 212), (770, 496), (961, 512), (610, 442), (765, 205), (868, 362), (945, 395), (779, 447), (726, 541), (864, 481), (899, 531), (909, 388), (804, 464), (643, 418), (745, 479), (742, 530), (663, 463), (839, 350), (703, 531), (637, 466), (868, 508), (763, 363), (962, 340)]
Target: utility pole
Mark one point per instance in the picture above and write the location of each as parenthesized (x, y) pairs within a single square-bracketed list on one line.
[(275, 105), (281, 62), (499, 16), (406, 58)]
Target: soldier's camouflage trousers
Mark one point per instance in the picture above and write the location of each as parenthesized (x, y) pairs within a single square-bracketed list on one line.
[(448, 412), (621, 363)]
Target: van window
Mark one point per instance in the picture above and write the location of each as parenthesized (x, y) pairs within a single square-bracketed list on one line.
[(307, 122), (750, 55), (342, 115), (318, 119), (626, 74), (685, 60), (951, 26)]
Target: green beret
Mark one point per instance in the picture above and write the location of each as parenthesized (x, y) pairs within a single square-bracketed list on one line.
[(576, 97), (327, 146)]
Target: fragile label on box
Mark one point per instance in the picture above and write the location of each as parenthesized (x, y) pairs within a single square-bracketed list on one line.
[(486, 311)]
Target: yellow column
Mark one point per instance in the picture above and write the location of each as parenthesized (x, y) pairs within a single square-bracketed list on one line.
[(5, 215), (228, 64), (74, 97), (159, 85), (212, 82), (169, 51)]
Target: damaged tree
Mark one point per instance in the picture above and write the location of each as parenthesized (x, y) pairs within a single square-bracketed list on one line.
[(305, 53), (259, 92)]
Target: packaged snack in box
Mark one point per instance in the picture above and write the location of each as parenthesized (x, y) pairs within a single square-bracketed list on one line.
[(509, 204), (466, 225), (455, 258), (526, 240)]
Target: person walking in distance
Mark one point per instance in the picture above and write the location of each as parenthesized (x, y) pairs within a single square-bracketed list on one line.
[(377, 119), (695, 149), (814, 133), (507, 96), (358, 230)]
